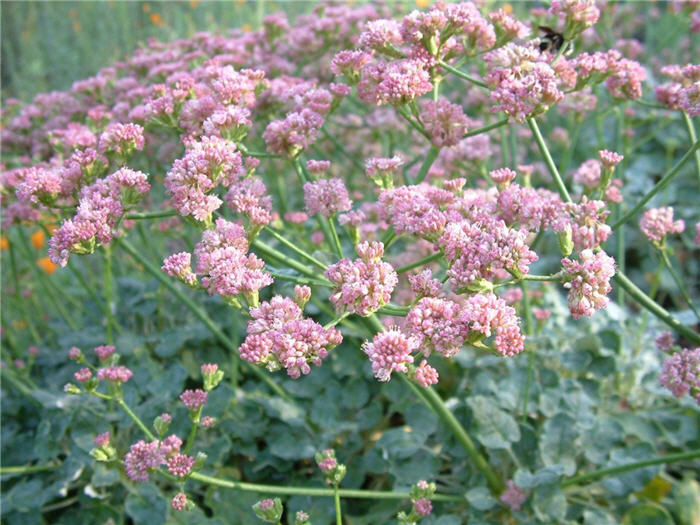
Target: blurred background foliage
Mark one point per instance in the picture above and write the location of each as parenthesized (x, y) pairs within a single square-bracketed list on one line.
[(48, 45)]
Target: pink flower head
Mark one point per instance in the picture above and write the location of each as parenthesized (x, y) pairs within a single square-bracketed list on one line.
[(588, 174), (194, 399), (209, 368), (170, 445), (123, 139), (102, 440), (230, 122), (588, 282), (514, 496), (656, 223), (696, 240), (381, 35), (502, 176), (524, 83), (280, 337), (578, 14), (396, 82), (382, 170), (206, 164), (326, 197), (179, 266), (610, 159), (179, 501), (33, 350), (349, 64), (424, 284), (180, 465), (416, 210), (426, 375), (117, 374), (507, 27), (588, 223), (297, 131), (445, 122), (141, 457), (207, 422), (438, 326), (423, 506), (477, 250), (389, 352), (542, 314), (318, 166), (104, 352), (489, 314), (665, 341), (74, 353), (83, 375), (681, 373), (249, 198), (364, 285), (227, 269), (302, 294)]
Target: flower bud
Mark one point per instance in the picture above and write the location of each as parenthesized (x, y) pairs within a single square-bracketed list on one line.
[(269, 510)]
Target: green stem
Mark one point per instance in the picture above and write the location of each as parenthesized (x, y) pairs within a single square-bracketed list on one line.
[(421, 262), (485, 129), (336, 240), (135, 419), (648, 303), (462, 74), (665, 180), (295, 248), (27, 469), (192, 435), (659, 460), (150, 215), (313, 492), (391, 309), (693, 138), (202, 316), (415, 125), (298, 280), (336, 501), (568, 154), (109, 296), (335, 321), (561, 188), (433, 153), (529, 330), (681, 287), (281, 257)]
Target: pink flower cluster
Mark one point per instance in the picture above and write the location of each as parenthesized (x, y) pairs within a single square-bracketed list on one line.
[(326, 197), (415, 209), (364, 285), (524, 83), (116, 374), (194, 399), (478, 250), (224, 264), (100, 207), (588, 282), (279, 336), (444, 121), (683, 91), (681, 373), (438, 326), (390, 351), (143, 456), (656, 223), (206, 164)]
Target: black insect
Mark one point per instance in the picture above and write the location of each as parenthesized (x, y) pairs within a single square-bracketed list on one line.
[(552, 41)]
